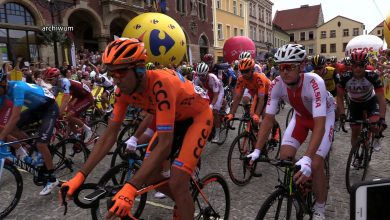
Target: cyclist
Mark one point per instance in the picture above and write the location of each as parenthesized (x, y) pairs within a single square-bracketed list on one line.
[(41, 106), (213, 85), (181, 110), (76, 99), (257, 85), (313, 110), (108, 88), (366, 93), (332, 61), (327, 73), (247, 54)]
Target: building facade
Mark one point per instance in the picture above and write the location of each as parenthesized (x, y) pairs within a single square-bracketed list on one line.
[(260, 25), (301, 24), (281, 37), (196, 19), (230, 19), (334, 35), (378, 31)]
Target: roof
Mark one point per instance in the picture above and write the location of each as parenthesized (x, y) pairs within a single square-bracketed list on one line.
[(339, 16), (380, 25), (304, 17)]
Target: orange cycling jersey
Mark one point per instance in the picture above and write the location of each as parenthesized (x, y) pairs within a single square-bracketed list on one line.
[(167, 95), (257, 86)]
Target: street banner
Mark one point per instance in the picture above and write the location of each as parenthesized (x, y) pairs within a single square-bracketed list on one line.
[(386, 84)]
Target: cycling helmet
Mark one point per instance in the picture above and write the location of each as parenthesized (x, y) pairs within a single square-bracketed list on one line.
[(202, 69), (244, 55), (129, 51), (333, 59), (208, 58), (246, 64), (150, 66), (51, 73), (318, 61), (290, 53), (92, 75), (347, 60), (359, 56)]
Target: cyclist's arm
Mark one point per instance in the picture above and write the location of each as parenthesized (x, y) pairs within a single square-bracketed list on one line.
[(156, 158), (102, 146), (144, 125), (11, 124), (260, 104), (265, 130), (215, 98), (382, 104), (340, 99), (236, 100), (64, 102)]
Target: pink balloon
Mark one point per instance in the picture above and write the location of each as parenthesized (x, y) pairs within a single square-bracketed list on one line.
[(235, 45)]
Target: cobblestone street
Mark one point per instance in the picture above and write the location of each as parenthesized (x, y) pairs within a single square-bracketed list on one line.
[(245, 201)]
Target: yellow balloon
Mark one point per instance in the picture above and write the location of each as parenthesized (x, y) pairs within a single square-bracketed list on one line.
[(164, 39), (386, 27)]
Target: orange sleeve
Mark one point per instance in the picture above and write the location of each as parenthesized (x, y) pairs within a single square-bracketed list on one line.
[(120, 107), (260, 85), (240, 85), (165, 98)]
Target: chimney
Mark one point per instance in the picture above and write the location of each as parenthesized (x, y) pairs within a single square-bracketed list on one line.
[(304, 6)]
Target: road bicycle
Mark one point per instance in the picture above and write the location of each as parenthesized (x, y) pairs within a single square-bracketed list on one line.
[(11, 182), (210, 194)]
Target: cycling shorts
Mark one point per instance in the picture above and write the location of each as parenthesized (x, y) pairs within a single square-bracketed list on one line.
[(5, 112), (371, 107), (81, 106), (47, 114), (190, 137), (298, 129)]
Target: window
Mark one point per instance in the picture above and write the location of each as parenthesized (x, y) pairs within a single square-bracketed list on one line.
[(302, 36), (332, 34), (235, 7), (311, 35), (180, 6), (241, 10), (292, 37), (251, 33), (219, 4), (254, 10), (220, 34), (15, 14), (378, 32), (323, 34), (323, 48), (227, 31), (344, 46), (268, 17), (261, 14), (355, 31), (311, 51), (250, 9), (261, 33), (235, 31), (242, 32), (202, 9), (333, 48), (345, 32)]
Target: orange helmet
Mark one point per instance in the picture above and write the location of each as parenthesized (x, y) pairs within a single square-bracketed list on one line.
[(246, 64), (125, 51)]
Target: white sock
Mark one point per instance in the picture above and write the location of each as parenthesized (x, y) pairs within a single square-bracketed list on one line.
[(320, 207), (217, 130)]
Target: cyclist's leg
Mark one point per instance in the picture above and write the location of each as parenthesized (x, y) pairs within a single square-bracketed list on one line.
[(104, 98), (356, 112), (293, 137), (79, 107), (184, 165)]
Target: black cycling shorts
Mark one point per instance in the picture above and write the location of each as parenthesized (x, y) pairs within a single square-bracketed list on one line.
[(357, 109)]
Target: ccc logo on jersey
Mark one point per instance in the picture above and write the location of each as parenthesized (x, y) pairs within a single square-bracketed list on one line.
[(155, 42)]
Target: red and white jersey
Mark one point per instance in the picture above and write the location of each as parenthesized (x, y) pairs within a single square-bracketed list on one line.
[(309, 100), (213, 83)]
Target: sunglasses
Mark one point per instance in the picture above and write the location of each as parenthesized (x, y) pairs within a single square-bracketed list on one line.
[(288, 66), (118, 73), (245, 71)]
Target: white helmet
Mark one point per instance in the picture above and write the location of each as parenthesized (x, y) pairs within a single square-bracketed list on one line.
[(92, 75), (244, 55), (290, 53), (202, 69)]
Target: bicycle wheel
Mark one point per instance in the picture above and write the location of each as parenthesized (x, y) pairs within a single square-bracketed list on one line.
[(117, 156), (280, 206), (242, 126), (115, 176), (127, 132), (216, 201), (69, 155), (289, 116), (274, 142), (242, 145), (356, 165), (223, 134), (11, 188)]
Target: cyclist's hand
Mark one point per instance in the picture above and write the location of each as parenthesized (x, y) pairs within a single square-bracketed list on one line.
[(229, 117), (254, 155), (305, 172), (124, 200), (255, 118), (131, 144), (74, 183)]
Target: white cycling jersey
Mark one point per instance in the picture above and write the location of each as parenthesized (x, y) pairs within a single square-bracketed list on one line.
[(213, 85), (103, 81)]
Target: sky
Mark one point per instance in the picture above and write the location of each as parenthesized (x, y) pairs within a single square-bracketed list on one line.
[(364, 11)]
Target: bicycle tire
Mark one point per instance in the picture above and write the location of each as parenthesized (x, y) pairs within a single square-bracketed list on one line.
[(235, 147), (5, 210), (110, 178), (127, 131), (69, 158), (223, 134), (211, 211), (242, 126), (358, 152), (289, 116), (117, 157), (278, 196)]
